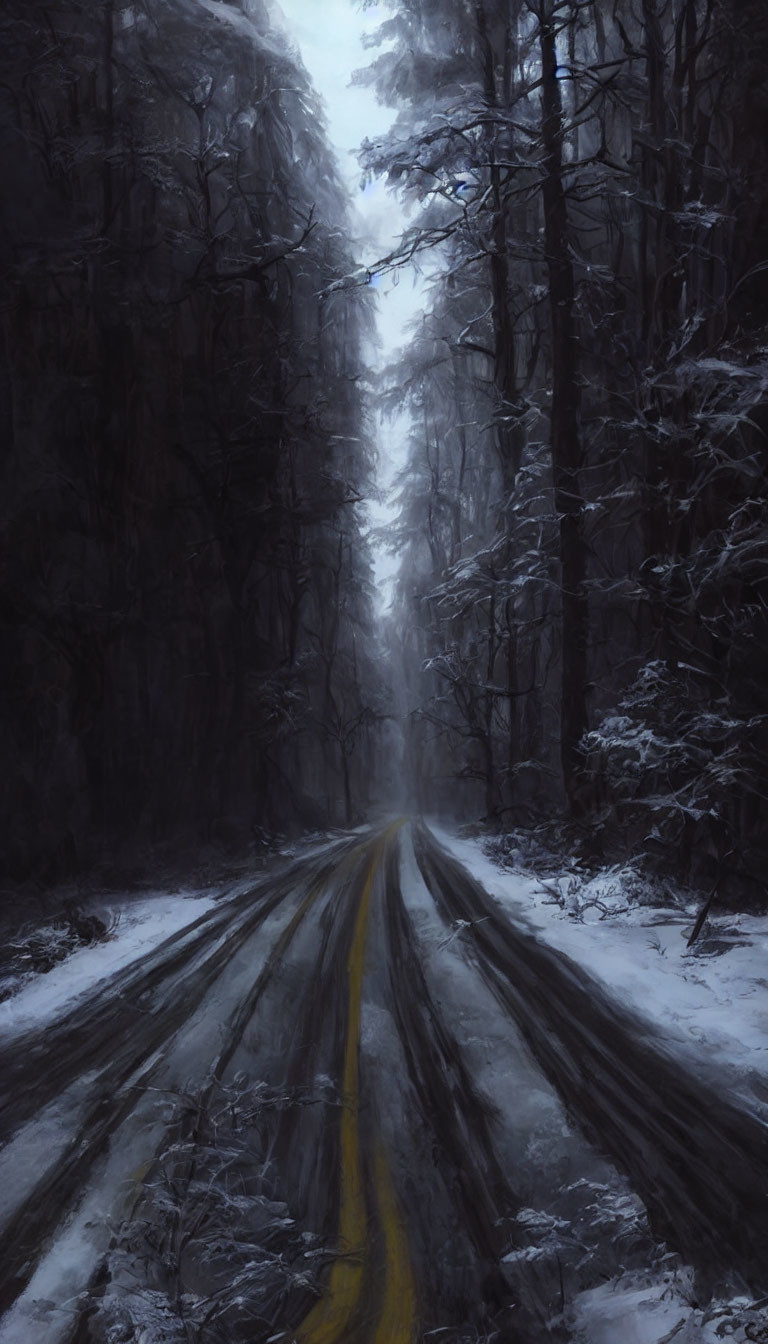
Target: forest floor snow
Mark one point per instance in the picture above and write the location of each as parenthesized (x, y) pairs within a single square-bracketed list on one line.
[(707, 1006)]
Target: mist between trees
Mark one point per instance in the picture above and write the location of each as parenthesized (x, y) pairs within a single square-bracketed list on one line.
[(189, 650)]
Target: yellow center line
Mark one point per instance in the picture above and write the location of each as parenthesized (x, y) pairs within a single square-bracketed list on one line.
[(329, 1320)]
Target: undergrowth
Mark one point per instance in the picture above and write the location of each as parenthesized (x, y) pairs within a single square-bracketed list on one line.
[(211, 1253), (36, 949)]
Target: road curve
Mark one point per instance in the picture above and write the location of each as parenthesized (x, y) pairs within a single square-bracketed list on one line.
[(313, 1117)]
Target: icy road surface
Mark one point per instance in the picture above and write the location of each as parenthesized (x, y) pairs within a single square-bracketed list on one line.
[(354, 1103)]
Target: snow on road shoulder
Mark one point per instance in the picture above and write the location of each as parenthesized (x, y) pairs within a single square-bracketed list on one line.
[(711, 1009), (648, 1308), (141, 926), (711, 1005), (58, 1288)]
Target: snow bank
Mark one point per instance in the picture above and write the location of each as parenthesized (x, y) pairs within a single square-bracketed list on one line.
[(709, 1003), (140, 927), (647, 1309), (710, 1006)]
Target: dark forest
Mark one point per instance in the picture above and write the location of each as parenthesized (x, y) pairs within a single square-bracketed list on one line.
[(580, 627)]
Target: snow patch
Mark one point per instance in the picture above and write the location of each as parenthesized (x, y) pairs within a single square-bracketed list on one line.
[(642, 1308), (140, 926)]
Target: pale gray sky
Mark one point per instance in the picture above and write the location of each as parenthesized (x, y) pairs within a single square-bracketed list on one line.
[(329, 35)]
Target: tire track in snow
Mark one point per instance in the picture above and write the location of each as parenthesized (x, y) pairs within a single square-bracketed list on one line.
[(36, 1067), (458, 1116), (359, 950), (307, 1143), (117, 1088), (699, 1164), (335, 1164)]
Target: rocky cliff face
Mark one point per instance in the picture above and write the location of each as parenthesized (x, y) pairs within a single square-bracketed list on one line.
[(182, 588)]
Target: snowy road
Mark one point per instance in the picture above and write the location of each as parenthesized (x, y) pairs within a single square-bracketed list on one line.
[(354, 1102)]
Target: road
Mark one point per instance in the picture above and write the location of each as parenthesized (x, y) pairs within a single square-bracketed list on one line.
[(354, 1102)]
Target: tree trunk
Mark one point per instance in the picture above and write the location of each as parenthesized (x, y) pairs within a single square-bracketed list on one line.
[(347, 787), (509, 438), (565, 428)]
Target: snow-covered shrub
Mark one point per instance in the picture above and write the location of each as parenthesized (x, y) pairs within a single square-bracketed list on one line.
[(592, 1234), (534, 850), (738, 1320), (211, 1254), (675, 763), (616, 890), (37, 949)]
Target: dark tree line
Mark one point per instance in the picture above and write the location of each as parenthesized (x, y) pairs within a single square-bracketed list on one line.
[(581, 616), (185, 648)]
